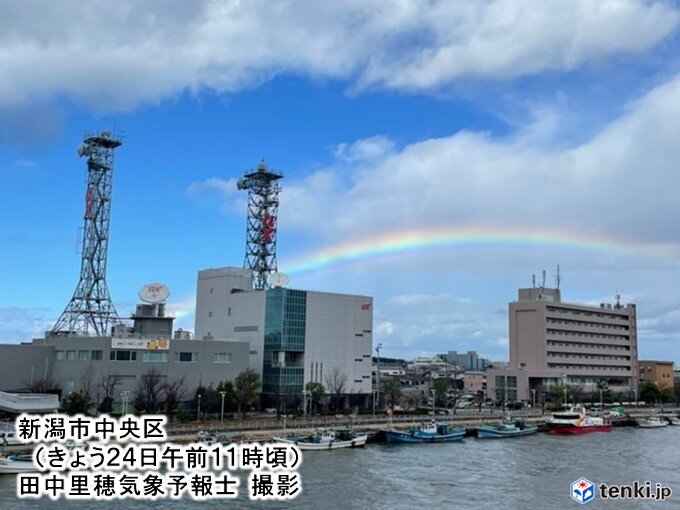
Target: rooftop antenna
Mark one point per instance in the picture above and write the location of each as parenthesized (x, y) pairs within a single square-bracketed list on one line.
[(533, 281), (618, 299), (263, 207), (90, 307), (543, 282), (558, 277)]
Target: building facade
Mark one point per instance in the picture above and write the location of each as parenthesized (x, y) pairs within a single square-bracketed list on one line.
[(553, 342), (467, 361), (658, 372), (295, 336)]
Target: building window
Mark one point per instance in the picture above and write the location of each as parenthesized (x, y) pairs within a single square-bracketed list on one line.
[(211, 290), (83, 355), (154, 356), (123, 356), (222, 357), (253, 353), (229, 311), (96, 355), (186, 357), (60, 355), (210, 313), (71, 355)]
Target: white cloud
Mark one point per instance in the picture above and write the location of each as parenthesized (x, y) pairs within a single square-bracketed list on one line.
[(117, 55), (602, 185)]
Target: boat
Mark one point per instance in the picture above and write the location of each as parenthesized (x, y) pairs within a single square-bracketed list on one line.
[(8, 434), (326, 440), (652, 422), (434, 432), (576, 421), (507, 428), (13, 464), (674, 420)]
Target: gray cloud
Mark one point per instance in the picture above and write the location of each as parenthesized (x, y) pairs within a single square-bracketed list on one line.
[(117, 55)]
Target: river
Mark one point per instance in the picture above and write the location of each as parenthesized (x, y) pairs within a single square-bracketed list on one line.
[(533, 472)]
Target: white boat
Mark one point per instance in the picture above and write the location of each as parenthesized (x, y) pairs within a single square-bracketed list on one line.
[(652, 422), (674, 420), (8, 434), (13, 464), (576, 421), (326, 440)]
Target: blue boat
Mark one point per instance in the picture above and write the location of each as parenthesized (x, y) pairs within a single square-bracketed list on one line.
[(432, 433), (505, 429)]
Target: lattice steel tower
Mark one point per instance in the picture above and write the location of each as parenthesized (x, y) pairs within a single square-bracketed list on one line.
[(263, 207), (91, 309)]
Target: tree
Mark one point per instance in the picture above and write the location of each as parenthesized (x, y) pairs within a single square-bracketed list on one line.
[(392, 390), (44, 385), (649, 392), (411, 400), (75, 402), (148, 390), (335, 382), (108, 385), (440, 387), (316, 391), (174, 392), (246, 385)]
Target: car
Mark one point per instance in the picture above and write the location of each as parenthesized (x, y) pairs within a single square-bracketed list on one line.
[(270, 410)]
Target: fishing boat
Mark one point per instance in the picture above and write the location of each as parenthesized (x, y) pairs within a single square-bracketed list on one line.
[(326, 440), (652, 422), (13, 464), (576, 421), (507, 428), (434, 432), (674, 420)]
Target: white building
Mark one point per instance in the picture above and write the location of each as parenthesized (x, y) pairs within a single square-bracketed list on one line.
[(295, 336)]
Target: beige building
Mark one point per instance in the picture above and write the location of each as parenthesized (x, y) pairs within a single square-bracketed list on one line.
[(658, 372), (553, 342)]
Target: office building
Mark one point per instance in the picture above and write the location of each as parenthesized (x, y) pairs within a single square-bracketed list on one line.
[(658, 372), (553, 342)]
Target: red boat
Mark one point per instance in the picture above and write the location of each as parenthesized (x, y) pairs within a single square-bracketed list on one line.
[(576, 421)]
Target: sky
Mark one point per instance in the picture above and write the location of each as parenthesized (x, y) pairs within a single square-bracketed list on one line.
[(436, 154)]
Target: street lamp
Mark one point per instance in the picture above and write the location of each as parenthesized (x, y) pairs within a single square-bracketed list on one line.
[(222, 393), (198, 408), (377, 375), (433, 401), (304, 403), (125, 396), (533, 399)]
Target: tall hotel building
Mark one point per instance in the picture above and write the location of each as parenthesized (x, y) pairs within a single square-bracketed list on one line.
[(553, 342)]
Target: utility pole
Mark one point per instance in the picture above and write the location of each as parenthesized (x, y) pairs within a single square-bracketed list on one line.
[(377, 375), (198, 408)]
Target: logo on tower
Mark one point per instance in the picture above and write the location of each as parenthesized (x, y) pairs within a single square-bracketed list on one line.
[(582, 490)]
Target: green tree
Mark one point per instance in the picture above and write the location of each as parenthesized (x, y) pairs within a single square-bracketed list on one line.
[(649, 392), (246, 385), (392, 390), (440, 387), (74, 403), (316, 391)]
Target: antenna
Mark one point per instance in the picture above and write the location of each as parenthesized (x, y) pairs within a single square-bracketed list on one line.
[(618, 299), (263, 206), (533, 281), (558, 278), (543, 282), (90, 307)]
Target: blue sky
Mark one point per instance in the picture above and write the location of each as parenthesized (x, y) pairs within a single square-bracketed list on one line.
[(532, 116)]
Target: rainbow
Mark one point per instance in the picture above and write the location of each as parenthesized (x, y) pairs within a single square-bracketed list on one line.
[(405, 241)]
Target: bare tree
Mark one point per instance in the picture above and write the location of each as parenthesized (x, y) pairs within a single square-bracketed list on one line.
[(148, 391), (174, 392), (43, 385), (411, 399), (107, 385), (335, 382)]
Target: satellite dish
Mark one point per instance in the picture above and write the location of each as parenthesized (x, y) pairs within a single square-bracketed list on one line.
[(81, 150), (278, 279), (153, 293)]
